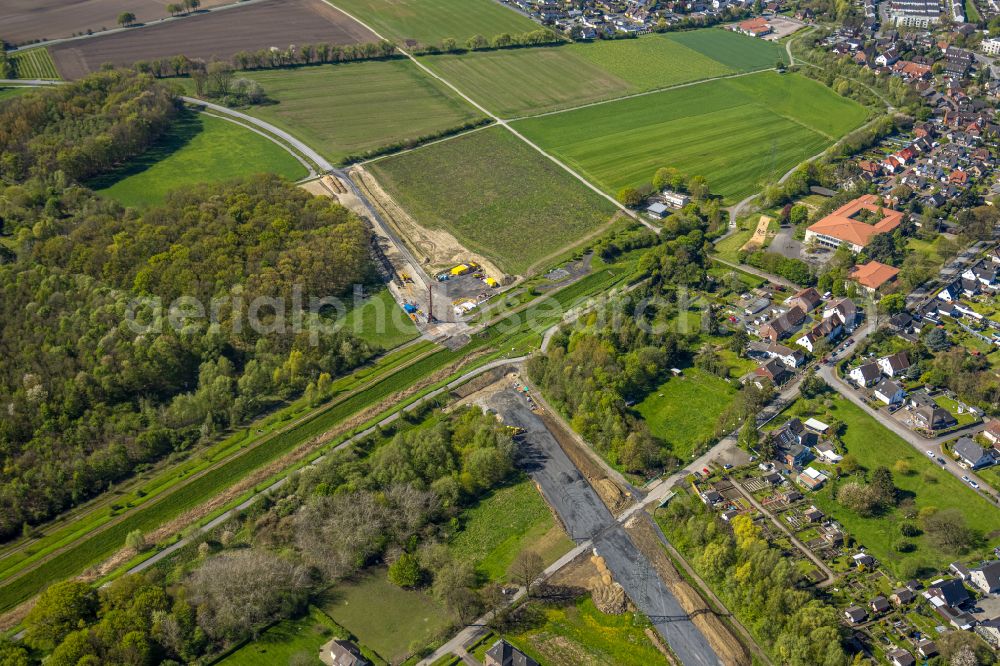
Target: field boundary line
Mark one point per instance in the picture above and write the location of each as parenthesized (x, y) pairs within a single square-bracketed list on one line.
[(442, 139), (286, 147), (503, 123), (644, 93)]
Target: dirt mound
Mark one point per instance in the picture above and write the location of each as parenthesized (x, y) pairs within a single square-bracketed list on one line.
[(730, 651), (435, 248)]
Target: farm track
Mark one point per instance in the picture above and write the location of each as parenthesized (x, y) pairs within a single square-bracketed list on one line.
[(238, 453)]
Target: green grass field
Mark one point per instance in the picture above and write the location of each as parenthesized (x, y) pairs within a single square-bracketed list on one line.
[(379, 320), (500, 526), (741, 53), (8, 93), (874, 445), (683, 410), (528, 81), (386, 618), (580, 634), (34, 64), (287, 640), (496, 195), (430, 21), (197, 149), (352, 108), (739, 133), (520, 81)]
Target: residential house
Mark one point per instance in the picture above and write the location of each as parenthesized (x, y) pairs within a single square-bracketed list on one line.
[(711, 497), (657, 210), (895, 364), (863, 560), (949, 593), (901, 658), (806, 300), (865, 374), (792, 358), (856, 614), (992, 432), (827, 452), (828, 330), (986, 577), (813, 515), (927, 649), (345, 653), (843, 308), (854, 224), (773, 371), (928, 415), (879, 605), (811, 478), (960, 570), (503, 653), (783, 325), (990, 630), (902, 596), (873, 277), (889, 392), (971, 454)]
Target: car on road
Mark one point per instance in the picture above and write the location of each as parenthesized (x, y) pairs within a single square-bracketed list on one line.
[(705, 471), (727, 466), (941, 461), (930, 454), (973, 484), (966, 479)]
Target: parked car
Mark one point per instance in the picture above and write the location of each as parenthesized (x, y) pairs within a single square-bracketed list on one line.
[(941, 461), (973, 484), (930, 454), (966, 479)]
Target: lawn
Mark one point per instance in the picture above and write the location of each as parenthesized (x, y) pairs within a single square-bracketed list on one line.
[(353, 108), (873, 445), (739, 133), (529, 81), (7, 93), (683, 410), (380, 321), (196, 149), (390, 620), (296, 639), (500, 526), (964, 418), (496, 195), (578, 634), (430, 21), (728, 248), (34, 64)]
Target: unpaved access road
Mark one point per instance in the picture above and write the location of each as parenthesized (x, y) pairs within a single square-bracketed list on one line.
[(586, 518)]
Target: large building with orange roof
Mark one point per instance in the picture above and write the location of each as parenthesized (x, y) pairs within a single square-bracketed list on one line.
[(854, 224)]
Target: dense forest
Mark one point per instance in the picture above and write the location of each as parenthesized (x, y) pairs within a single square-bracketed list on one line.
[(395, 498), (92, 384), (83, 129)]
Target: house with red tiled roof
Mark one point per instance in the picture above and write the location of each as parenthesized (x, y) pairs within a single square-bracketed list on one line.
[(755, 27), (873, 276), (958, 177), (854, 224)]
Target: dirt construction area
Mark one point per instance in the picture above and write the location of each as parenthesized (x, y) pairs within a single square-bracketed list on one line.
[(23, 21), (436, 248), (214, 35)]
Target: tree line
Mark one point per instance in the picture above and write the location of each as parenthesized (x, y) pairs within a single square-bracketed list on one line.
[(504, 40)]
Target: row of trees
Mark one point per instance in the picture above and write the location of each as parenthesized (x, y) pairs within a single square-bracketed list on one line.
[(272, 58), (504, 40)]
